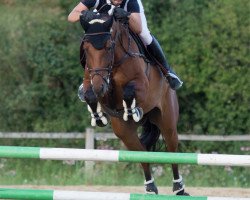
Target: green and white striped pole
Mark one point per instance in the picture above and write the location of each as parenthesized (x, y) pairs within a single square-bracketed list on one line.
[(28, 194), (123, 156)]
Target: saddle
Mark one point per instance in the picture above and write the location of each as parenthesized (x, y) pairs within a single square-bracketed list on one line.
[(142, 48)]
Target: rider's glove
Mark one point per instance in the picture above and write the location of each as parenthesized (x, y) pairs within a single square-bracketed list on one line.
[(121, 15), (87, 15)]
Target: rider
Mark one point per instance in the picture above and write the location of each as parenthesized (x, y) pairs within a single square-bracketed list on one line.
[(133, 11)]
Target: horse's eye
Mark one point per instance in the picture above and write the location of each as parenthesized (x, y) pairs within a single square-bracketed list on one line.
[(108, 47), (86, 45)]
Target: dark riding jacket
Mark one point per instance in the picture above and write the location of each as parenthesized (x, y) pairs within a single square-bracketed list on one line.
[(128, 5)]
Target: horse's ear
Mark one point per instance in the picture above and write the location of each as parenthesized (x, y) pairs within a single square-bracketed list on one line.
[(108, 23)]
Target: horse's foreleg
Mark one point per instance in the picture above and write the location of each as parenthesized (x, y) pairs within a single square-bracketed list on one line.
[(129, 104), (94, 107), (127, 133)]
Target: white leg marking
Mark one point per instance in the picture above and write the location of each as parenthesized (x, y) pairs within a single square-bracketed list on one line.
[(93, 120), (100, 114), (136, 114), (133, 104), (125, 114)]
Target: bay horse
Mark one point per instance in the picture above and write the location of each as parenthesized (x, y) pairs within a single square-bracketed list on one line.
[(123, 86)]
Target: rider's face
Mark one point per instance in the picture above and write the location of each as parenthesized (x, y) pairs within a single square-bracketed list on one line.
[(116, 2)]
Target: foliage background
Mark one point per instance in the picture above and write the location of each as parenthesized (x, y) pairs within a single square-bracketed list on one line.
[(207, 43)]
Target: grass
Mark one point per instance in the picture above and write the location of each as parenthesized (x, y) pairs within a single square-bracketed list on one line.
[(42, 172)]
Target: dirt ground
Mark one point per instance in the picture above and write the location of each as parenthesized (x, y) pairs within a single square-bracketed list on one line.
[(197, 191)]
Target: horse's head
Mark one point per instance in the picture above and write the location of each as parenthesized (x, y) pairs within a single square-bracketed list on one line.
[(98, 48)]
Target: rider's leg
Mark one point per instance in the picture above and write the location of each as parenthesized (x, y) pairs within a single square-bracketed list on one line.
[(155, 49)]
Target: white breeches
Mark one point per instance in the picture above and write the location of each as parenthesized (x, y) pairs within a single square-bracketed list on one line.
[(145, 34)]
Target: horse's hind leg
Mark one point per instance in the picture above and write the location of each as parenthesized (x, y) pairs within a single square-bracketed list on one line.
[(171, 139), (127, 132)]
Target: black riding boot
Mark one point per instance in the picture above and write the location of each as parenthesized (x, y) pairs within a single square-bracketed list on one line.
[(155, 49)]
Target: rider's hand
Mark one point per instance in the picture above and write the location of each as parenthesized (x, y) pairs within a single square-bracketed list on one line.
[(87, 15), (121, 15)]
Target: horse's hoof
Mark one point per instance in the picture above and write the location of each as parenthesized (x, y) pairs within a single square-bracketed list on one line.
[(150, 187), (103, 121), (178, 187), (137, 114), (100, 124), (182, 193)]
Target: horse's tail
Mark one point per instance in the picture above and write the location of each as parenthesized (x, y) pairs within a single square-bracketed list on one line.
[(150, 135)]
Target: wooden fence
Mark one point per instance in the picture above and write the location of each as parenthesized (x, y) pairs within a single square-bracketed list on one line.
[(90, 136), (109, 135)]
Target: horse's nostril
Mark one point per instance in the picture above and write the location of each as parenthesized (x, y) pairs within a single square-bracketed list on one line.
[(99, 91)]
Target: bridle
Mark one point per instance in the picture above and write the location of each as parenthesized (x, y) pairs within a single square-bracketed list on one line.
[(96, 71)]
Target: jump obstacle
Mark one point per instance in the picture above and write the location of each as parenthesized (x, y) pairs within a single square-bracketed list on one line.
[(114, 156), (28, 194), (123, 156)]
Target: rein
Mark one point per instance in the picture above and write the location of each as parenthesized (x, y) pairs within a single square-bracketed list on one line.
[(128, 52)]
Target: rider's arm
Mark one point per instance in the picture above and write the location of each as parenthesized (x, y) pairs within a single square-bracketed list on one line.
[(135, 23), (74, 16)]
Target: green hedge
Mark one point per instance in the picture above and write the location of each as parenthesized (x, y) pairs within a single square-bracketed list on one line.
[(207, 43)]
